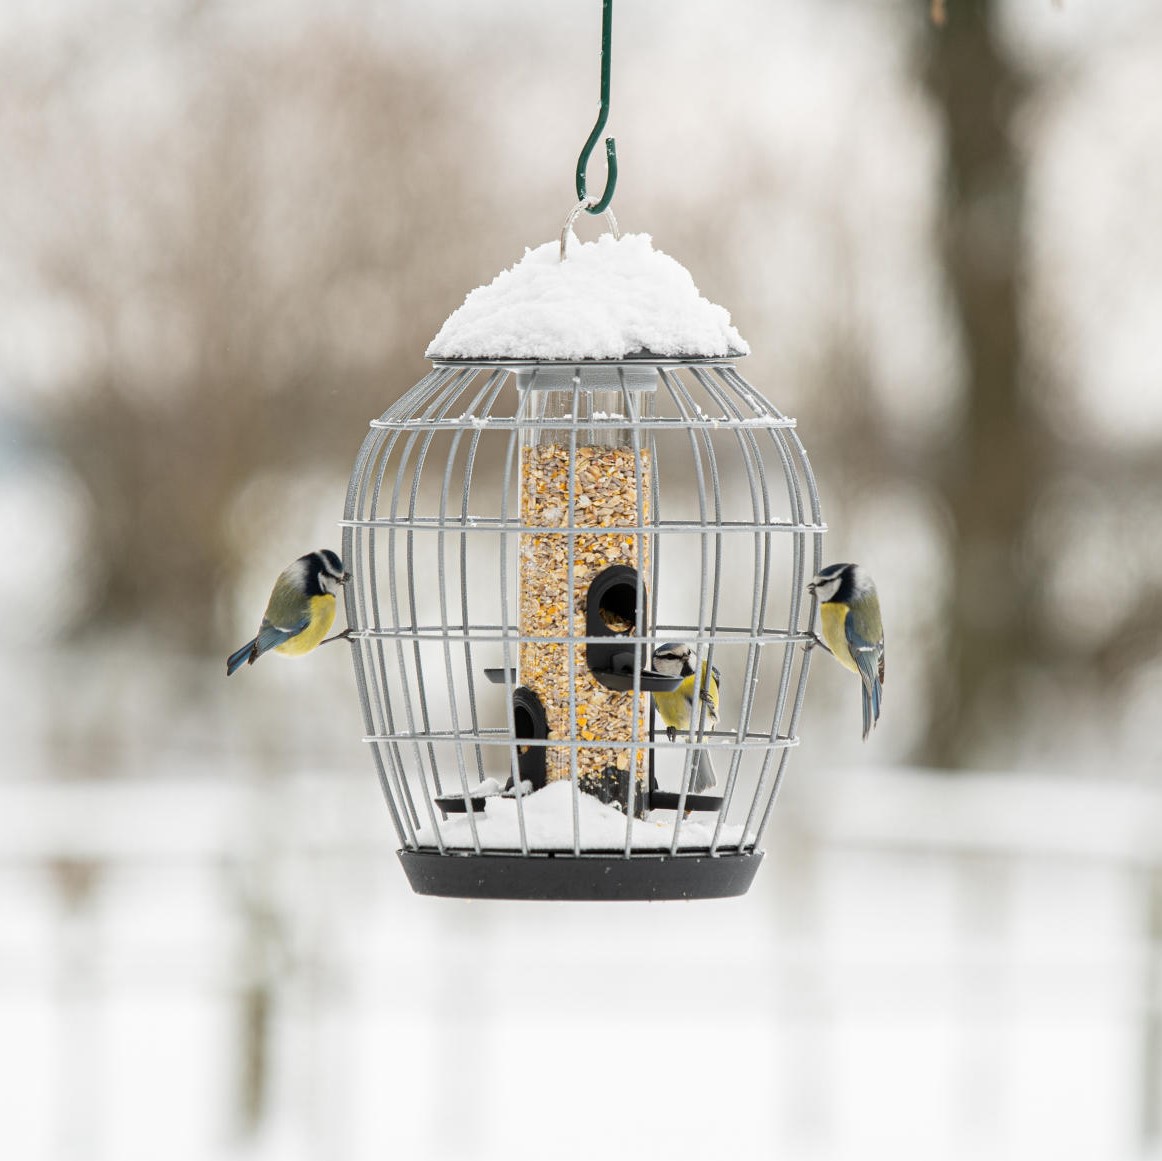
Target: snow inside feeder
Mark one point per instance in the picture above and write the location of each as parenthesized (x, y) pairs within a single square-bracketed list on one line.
[(582, 477)]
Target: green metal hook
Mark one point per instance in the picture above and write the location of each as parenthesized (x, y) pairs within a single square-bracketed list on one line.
[(598, 207)]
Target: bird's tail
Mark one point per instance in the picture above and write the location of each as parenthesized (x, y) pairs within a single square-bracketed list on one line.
[(871, 707), (243, 656), (702, 776)]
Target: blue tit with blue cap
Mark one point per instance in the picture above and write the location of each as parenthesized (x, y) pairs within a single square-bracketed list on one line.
[(300, 612), (677, 709), (849, 617)]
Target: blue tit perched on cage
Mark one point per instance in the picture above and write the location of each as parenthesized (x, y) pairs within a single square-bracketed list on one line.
[(300, 612), (849, 617), (676, 707)]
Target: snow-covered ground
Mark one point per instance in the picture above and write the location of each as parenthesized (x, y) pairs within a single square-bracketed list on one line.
[(926, 968)]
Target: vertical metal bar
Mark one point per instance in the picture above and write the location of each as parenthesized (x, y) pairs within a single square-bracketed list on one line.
[(805, 655), (355, 602), (752, 459), (571, 605), (445, 390), (375, 658), (756, 401), (486, 400), (379, 668), (513, 443), (438, 388), (687, 408), (633, 411), (438, 410), (702, 671), (381, 650), (794, 494), (442, 524), (431, 385), (655, 572)]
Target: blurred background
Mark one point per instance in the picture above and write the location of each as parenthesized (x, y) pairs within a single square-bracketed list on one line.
[(228, 233)]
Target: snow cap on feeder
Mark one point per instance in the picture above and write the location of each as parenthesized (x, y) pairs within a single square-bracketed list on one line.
[(613, 298)]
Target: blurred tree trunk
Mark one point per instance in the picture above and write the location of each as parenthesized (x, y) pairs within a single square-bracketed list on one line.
[(990, 482)]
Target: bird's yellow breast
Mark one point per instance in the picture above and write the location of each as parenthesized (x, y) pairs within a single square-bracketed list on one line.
[(832, 622), (322, 618)]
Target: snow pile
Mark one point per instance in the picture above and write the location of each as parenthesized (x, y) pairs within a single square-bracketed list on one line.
[(610, 299), (549, 826)]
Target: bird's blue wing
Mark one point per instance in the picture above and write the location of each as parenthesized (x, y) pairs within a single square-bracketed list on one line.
[(869, 657), (268, 637), (272, 636), (240, 657)]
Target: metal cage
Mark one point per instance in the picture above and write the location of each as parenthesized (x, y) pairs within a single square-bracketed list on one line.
[(522, 536)]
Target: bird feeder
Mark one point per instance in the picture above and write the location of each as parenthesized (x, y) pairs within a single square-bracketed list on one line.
[(583, 476), (523, 531)]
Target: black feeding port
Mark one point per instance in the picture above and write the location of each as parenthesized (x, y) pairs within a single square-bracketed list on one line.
[(529, 721), (611, 610)]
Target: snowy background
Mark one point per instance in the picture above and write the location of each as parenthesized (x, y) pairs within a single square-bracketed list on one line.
[(227, 235)]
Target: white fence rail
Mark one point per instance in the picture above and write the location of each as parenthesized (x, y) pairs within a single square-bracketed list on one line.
[(929, 967)]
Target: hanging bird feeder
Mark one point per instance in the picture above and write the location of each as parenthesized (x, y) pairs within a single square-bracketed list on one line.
[(583, 477)]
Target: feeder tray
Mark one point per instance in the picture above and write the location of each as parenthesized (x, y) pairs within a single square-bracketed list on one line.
[(602, 878)]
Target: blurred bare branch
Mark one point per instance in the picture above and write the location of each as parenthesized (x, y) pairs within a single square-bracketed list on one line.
[(253, 285)]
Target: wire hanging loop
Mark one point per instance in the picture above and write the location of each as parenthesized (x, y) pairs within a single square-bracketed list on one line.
[(600, 205), (585, 205)]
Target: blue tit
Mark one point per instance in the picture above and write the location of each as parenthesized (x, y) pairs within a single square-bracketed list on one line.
[(676, 707), (300, 612), (849, 615)]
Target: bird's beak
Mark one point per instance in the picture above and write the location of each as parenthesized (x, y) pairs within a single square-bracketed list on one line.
[(810, 586), (344, 578)]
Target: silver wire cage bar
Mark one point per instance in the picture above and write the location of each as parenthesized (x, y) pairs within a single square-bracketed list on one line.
[(522, 537)]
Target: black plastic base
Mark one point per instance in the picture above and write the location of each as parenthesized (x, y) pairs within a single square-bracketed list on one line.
[(584, 877)]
